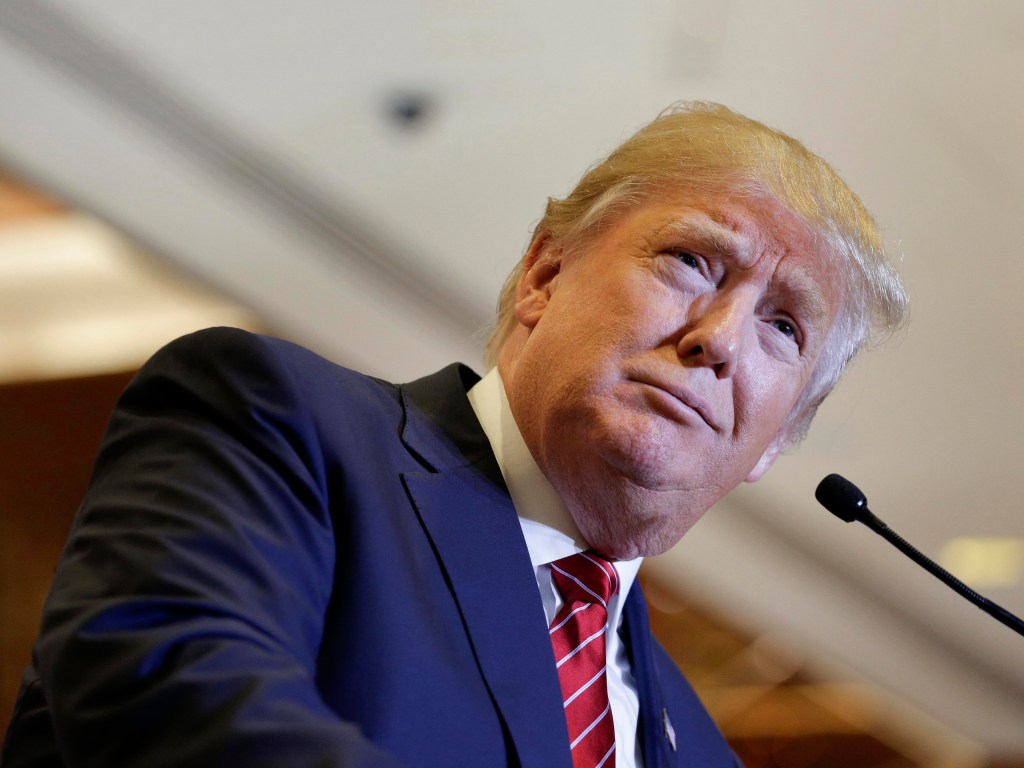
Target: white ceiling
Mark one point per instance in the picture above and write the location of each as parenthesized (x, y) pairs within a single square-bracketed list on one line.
[(252, 145)]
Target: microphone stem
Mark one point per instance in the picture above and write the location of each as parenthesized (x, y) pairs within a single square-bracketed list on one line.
[(992, 609)]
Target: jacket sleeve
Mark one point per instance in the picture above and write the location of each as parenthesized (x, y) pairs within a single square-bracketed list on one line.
[(186, 615)]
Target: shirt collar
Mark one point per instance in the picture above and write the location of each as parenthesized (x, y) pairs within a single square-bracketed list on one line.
[(547, 525)]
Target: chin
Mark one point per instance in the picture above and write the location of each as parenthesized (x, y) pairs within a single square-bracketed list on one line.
[(647, 453), (638, 522), (627, 494), (628, 546)]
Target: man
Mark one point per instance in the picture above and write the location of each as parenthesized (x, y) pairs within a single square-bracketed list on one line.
[(282, 562)]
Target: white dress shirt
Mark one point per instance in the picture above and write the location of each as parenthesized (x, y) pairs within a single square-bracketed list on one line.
[(550, 535)]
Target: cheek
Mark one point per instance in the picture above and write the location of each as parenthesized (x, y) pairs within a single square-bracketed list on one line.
[(639, 440), (652, 452), (762, 406)]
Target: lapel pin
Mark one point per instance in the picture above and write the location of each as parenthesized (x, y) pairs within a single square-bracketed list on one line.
[(670, 732)]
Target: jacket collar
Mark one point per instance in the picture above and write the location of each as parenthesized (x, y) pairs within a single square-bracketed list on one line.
[(439, 425)]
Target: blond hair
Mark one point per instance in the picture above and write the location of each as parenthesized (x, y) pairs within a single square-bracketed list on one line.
[(708, 147)]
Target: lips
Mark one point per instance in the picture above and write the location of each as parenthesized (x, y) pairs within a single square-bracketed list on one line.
[(684, 396)]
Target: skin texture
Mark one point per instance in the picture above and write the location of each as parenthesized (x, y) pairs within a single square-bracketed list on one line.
[(653, 369)]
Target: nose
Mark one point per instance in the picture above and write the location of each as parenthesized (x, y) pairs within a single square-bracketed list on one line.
[(714, 335)]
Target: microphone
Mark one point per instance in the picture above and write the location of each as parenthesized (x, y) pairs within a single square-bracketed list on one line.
[(847, 502)]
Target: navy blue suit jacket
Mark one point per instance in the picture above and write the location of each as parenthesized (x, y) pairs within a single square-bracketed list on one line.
[(281, 562)]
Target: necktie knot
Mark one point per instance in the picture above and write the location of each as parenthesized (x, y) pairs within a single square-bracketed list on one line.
[(585, 577)]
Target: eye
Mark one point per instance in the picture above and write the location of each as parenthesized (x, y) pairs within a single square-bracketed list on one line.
[(789, 330), (696, 272), (785, 327), (688, 259)]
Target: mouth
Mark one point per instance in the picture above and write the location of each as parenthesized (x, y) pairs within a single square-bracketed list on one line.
[(681, 401)]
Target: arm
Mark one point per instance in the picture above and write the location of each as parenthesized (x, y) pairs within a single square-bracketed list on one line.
[(186, 615)]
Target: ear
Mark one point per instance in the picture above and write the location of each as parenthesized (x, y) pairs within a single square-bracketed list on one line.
[(537, 281), (768, 458)]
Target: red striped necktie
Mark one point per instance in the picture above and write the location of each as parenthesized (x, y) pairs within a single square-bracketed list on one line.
[(586, 582)]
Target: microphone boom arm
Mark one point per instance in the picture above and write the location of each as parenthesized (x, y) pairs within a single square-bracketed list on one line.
[(843, 499)]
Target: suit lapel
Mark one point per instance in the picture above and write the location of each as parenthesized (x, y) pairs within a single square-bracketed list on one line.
[(466, 510), (653, 727), (691, 741)]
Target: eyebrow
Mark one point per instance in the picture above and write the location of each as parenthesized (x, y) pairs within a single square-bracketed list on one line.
[(807, 297), (810, 301), (711, 236)]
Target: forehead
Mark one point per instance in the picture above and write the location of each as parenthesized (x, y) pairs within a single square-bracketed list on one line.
[(748, 231)]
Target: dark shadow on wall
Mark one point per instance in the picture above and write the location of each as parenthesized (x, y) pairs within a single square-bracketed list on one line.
[(49, 433)]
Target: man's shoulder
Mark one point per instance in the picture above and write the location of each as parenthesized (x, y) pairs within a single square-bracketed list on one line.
[(237, 359), (240, 349), (241, 369), (234, 378), (224, 346)]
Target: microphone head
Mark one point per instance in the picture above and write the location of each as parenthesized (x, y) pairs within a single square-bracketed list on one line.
[(841, 497)]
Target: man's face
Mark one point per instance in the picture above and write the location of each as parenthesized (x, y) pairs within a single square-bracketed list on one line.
[(653, 370)]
